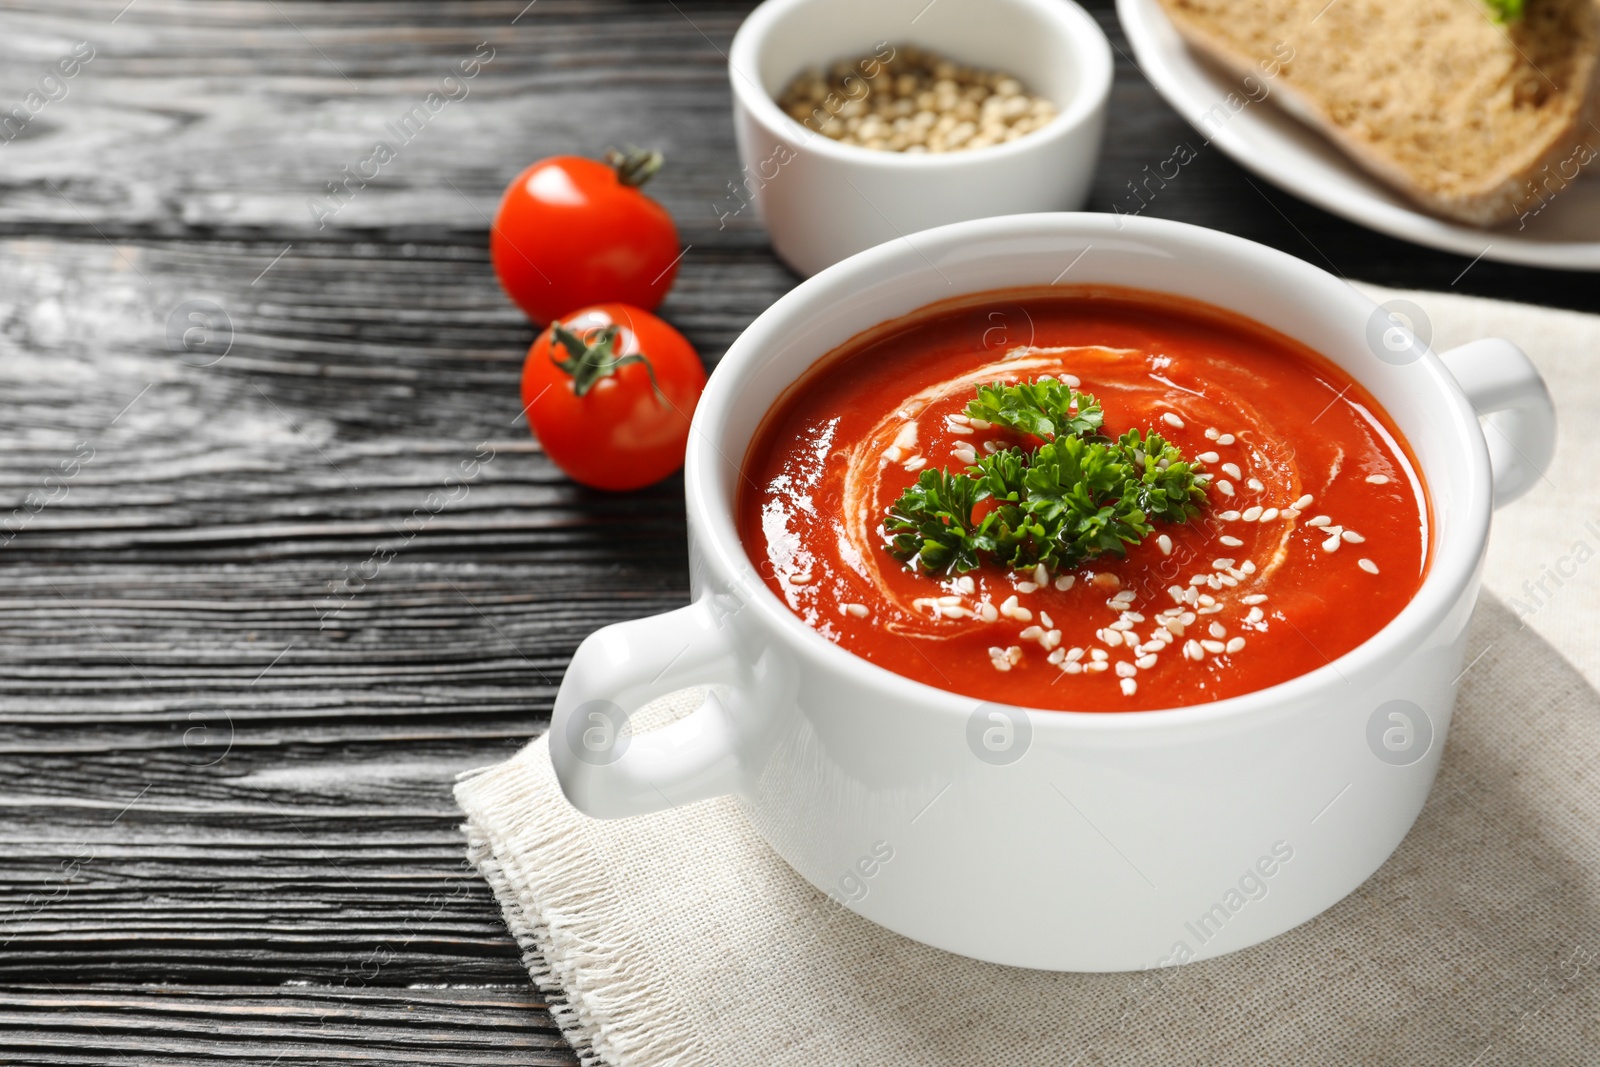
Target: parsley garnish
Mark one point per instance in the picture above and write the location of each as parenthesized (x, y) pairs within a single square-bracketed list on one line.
[(1078, 495)]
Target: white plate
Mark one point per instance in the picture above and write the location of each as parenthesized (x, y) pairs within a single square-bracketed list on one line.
[(1264, 138)]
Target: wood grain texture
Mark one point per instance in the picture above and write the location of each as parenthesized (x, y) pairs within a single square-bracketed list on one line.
[(227, 733)]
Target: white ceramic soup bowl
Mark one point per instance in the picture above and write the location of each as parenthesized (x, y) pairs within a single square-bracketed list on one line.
[(822, 200), (1051, 839)]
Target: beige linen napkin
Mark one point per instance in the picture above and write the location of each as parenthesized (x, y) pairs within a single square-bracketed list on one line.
[(680, 938)]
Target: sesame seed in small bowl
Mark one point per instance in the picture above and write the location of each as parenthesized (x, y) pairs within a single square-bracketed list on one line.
[(860, 123)]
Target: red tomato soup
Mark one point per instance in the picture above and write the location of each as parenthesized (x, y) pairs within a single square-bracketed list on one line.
[(1314, 532)]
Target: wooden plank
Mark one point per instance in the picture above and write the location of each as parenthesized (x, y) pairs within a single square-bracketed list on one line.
[(45, 1023)]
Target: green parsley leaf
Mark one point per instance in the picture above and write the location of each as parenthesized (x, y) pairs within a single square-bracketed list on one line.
[(932, 522), (1046, 408)]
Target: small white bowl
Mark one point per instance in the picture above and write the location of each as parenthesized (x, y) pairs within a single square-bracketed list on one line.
[(823, 201)]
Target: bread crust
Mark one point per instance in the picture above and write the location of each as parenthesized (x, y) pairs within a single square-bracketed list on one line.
[(1509, 193)]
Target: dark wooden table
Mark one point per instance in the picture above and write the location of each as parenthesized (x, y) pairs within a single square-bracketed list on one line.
[(227, 731)]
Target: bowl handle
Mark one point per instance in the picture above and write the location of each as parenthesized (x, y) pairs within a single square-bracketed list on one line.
[(605, 769), (1519, 420)]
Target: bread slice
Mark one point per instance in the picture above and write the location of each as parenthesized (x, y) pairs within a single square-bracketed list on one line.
[(1473, 120)]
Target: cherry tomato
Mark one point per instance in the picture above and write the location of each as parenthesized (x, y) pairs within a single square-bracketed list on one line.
[(572, 232), (609, 391)]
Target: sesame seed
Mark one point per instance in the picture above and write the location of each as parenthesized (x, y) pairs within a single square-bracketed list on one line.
[(979, 424), (1014, 655), (1353, 537), (1228, 580), (992, 447), (1256, 615), (1126, 669), (1221, 564), (1225, 487), (1030, 633), (1319, 520), (1216, 629), (1256, 598), (1041, 576), (1099, 655), (1012, 610), (953, 611), (1235, 644), (1367, 565), (1026, 587), (1132, 616), (965, 584), (1122, 624), (999, 659), (1232, 470), (1207, 600), (1231, 542), (965, 431), (1291, 513), (1213, 647), (1251, 514), (1124, 597), (1172, 420), (1255, 484), (1247, 567), (1129, 687), (1377, 479), (1074, 654), (1097, 666), (1225, 439), (1303, 502), (858, 611), (958, 417), (1110, 637), (1331, 544), (1055, 658), (1192, 650), (987, 612), (1208, 457), (1229, 516), (1065, 581), (1144, 663), (1269, 515), (1212, 610), (1165, 544), (1212, 433), (948, 600)]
